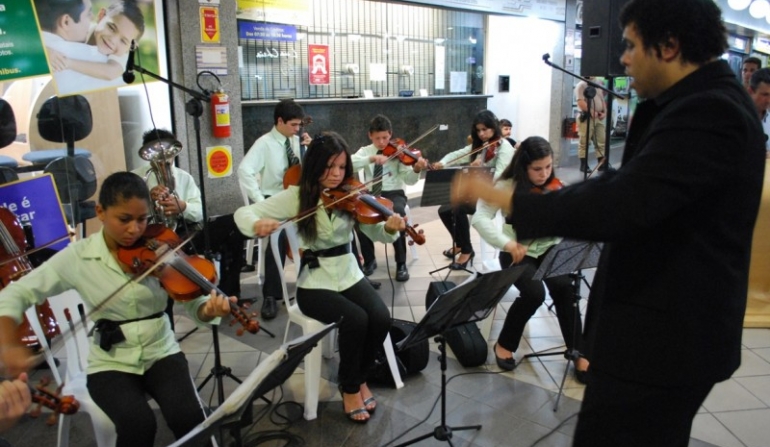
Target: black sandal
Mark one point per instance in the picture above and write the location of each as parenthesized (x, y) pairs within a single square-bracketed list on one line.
[(451, 252), (353, 413)]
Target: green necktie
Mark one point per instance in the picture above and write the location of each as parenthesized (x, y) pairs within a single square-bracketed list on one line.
[(377, 186), (293, 160)]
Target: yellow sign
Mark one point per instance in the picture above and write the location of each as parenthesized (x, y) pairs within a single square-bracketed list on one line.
[(209, 24), (219, 160)]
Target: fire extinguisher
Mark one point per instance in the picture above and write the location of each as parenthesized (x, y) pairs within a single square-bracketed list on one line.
[(220, 114)]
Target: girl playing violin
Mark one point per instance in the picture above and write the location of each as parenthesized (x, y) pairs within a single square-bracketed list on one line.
[(532, 172), (145, 357), (485, 131), (331, 286)]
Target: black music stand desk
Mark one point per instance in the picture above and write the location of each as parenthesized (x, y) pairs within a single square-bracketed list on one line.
[(471, 301), (270, 373)]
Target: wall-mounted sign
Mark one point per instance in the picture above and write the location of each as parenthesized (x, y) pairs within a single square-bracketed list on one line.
[(213, 59), (761, 44), (36, 201), (318, 63), (266, 31), (21, 50), (219, 160), (295, 12), (209, 24), (740, 44)]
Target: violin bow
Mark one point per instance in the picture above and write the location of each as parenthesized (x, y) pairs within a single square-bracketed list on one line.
[(474, 151), (596, 168), (34, 250)]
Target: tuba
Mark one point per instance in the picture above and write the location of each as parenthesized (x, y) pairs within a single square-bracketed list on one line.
[(160, 153)]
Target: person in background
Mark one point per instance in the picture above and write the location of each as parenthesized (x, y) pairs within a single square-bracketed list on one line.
[(331, 286), (759, 90), (749, 66), (484, 129), (393, 176), (133, 352), (591, 127), (261, 174), (666, 309), (531, 171), (506, 130)]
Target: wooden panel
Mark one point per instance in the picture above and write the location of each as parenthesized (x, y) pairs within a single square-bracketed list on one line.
[(758, 305)]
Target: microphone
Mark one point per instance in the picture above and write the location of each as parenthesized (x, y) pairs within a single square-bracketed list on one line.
[(546, 56), (128, 75)]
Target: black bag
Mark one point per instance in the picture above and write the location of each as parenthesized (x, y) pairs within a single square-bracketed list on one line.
[(466, 341), (410, 361)]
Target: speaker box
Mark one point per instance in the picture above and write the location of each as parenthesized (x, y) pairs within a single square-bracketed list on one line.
[(602, 38)]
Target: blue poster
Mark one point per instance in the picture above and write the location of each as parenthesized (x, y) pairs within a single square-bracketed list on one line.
[(266, 31), (36, 201)]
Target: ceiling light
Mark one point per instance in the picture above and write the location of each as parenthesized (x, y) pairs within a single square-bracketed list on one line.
[(738, 5), (759, 8)]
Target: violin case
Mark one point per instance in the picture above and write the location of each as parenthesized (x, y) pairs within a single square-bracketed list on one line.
[(465, 340)]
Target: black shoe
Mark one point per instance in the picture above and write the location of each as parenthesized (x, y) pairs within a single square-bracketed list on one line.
[(269, 308), (375, 284), (506, 364), (246, 268), (402, 274), (369, 267), (581, 376), (584, 166), (464, 265)]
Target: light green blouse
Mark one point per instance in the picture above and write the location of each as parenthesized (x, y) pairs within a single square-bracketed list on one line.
[(483, 222), (400, 174), (500, 162), (336, 228), (88, 267)]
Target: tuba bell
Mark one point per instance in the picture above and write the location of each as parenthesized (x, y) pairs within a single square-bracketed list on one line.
[(160, 153)]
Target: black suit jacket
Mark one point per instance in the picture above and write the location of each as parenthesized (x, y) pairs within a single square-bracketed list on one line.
[(668, 299)]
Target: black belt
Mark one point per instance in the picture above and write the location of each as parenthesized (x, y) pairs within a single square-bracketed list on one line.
[(310, 257), (110, 333)]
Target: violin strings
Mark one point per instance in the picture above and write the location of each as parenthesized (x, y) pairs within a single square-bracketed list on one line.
[(478, 149)]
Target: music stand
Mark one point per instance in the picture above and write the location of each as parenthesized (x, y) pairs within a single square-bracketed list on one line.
[(568, 257), (271, 372), (471, 301), (436, 191)]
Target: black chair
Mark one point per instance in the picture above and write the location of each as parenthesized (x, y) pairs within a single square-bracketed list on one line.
[(62, 120), (75, 180), (7, 134)]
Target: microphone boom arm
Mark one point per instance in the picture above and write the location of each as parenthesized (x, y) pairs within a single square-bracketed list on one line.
[(588, 81)]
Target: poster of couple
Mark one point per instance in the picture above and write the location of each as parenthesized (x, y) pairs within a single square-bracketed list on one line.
[(87, 42)]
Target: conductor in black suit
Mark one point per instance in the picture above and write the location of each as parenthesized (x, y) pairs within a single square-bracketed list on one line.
[(666, 307)]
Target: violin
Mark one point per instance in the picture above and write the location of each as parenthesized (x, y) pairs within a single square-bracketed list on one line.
[(492, 147), (14, 265), (397, 148), (554, 185), (352, 197), (51, 400), (292, 175), (184, 277)]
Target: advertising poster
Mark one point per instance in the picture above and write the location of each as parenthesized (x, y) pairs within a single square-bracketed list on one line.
[(89, 50), (21, 51), (318, 61), (36, 201)]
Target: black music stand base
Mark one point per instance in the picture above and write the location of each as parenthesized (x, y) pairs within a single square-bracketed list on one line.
[(443, 432)]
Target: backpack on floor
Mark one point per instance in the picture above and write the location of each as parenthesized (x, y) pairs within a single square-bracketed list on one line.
[(410, 360), (465, 340)]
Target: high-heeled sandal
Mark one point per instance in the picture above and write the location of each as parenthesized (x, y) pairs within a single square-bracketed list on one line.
[(462, 265), (451, 252), (353, 413), (369, 401)]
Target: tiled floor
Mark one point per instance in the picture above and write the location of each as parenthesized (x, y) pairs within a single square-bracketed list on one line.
[(515, 409)]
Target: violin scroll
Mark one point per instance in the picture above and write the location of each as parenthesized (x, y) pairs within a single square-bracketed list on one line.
[(51, 400)]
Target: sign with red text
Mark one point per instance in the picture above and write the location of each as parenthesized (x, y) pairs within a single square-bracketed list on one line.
[(209, 24), (318, 63), (219, 160)]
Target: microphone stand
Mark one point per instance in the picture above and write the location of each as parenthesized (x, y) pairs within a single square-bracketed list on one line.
[(194, 108), (588, 92)]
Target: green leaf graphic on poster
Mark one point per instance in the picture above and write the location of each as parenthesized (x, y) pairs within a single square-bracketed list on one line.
[(21, 50)]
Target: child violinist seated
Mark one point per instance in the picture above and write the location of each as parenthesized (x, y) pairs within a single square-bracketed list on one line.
[(531, 171), (144, 357), (332, 286)]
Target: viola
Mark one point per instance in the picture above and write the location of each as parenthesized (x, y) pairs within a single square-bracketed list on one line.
[(14, 264), (51, 400), (292, 175), (397, 148), (352, 197), (183, 277), (554, 185)]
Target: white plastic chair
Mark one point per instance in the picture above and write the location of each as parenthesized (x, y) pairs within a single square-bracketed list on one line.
[(250, 247), (309, 325), (76, 345), (490, 263)]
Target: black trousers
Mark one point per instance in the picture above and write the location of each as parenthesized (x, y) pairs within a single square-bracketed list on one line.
[(398, 198), (462, 227), (365, 324), (617, 412), (532, 295), (123, 397)]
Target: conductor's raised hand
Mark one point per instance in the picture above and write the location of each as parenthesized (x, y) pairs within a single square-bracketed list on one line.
[(264, 227)]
